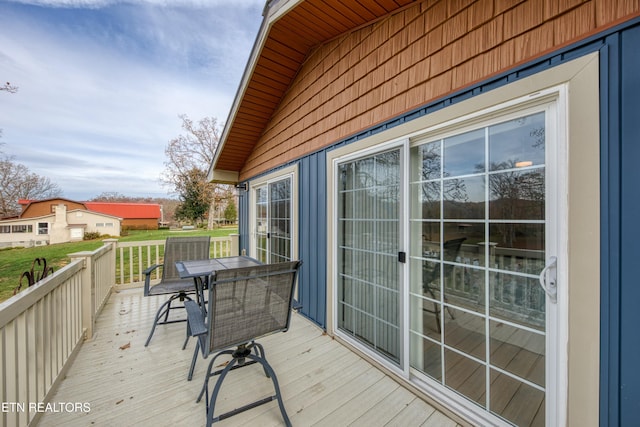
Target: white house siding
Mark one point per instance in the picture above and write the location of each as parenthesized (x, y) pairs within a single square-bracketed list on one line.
[(66, 227)]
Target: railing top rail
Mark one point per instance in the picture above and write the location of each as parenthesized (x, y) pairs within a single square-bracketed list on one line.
[(17, 304), (161, 242)]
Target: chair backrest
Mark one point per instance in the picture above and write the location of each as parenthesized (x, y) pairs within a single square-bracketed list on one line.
[(183, 249), (431, 271), (248, 303), (452, 248)]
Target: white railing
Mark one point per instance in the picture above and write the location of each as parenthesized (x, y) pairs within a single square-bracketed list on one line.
[(514, 296), (132, 258), (42, 329)]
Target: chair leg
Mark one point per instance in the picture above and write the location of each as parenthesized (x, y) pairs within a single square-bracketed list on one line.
[(193, 361), (164, 311), (161, 311), (205, 386), (260, 353), (436, 310), (271, 374)]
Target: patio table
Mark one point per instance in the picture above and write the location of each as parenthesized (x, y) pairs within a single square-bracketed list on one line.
[(201, 270)]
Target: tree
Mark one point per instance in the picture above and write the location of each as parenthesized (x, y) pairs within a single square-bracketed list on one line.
[(195, 150), (112, 197), (230, 212), (17, 182), (194, 204)]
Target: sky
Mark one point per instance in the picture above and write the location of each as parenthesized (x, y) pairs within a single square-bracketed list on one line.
[(101, 84)]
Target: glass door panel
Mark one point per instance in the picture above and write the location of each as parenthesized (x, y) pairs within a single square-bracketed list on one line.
[(369, 302), (280, 221), (477, 246), (261, 225), (273, 221)]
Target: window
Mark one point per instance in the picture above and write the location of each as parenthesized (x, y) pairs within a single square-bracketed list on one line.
[(43, 228), (273, 216), (99, 224), (22, 228), (5, 229)]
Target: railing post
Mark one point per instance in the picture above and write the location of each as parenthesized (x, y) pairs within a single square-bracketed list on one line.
[(88, 290), (112, 259), (235, 244)]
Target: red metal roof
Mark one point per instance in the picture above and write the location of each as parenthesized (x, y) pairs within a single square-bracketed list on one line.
[(126, 210)]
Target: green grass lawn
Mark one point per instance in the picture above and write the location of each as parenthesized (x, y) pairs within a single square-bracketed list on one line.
[(13, 262)]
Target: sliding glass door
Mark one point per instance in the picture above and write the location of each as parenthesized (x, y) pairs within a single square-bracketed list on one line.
[(464, 311), (368, 294), (478, 246)]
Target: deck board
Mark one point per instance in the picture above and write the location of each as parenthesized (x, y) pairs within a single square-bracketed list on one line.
[(322, 382)]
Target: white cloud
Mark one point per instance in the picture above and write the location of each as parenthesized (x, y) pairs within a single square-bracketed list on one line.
[(99, 97), (166, 3)]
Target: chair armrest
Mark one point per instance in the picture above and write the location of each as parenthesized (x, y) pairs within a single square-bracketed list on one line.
[(195, 318), (147, 277), (150, 269)]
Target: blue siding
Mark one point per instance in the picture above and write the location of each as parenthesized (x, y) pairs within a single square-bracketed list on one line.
[(312, 234), (620, 234), (313, 237), (620, 210), (630, 237)]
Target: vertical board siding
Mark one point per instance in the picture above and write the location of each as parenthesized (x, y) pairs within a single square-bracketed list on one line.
[(629, 89), (313, 237), (413, 57)]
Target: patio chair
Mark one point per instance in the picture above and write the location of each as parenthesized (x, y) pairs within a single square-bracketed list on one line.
[(244, 304), (451, 248), (175, 249)]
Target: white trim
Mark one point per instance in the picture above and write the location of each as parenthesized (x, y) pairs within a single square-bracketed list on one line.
[(291, 172), (402, 145)]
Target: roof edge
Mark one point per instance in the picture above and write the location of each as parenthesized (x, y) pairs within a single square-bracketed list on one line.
[(273, 11), (219, 176)]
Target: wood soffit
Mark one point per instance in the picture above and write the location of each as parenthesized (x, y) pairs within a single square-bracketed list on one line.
[(287, 44)]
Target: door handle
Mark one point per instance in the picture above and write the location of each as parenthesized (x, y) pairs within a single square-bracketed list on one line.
[(548, 279)]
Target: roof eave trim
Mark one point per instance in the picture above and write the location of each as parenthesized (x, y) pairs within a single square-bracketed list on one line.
[(223, 177), (271, 15)]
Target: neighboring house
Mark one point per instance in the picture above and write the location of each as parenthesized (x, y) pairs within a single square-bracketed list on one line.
[(135, 216), (433, 163), (59, 226)]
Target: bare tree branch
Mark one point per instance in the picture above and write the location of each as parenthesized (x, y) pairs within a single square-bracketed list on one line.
[(17, 182), (192, 152)]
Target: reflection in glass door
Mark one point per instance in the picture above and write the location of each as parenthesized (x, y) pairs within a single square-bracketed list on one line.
[(368, 293), (477, 227), (273, 221)]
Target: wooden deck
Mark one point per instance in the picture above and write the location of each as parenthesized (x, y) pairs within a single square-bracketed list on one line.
[(323, 383)]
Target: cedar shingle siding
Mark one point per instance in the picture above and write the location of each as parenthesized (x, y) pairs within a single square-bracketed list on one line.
[(409, 58)]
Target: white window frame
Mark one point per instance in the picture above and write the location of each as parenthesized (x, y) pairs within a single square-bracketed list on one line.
[(402, 145), (287, 172), (550, 101)]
